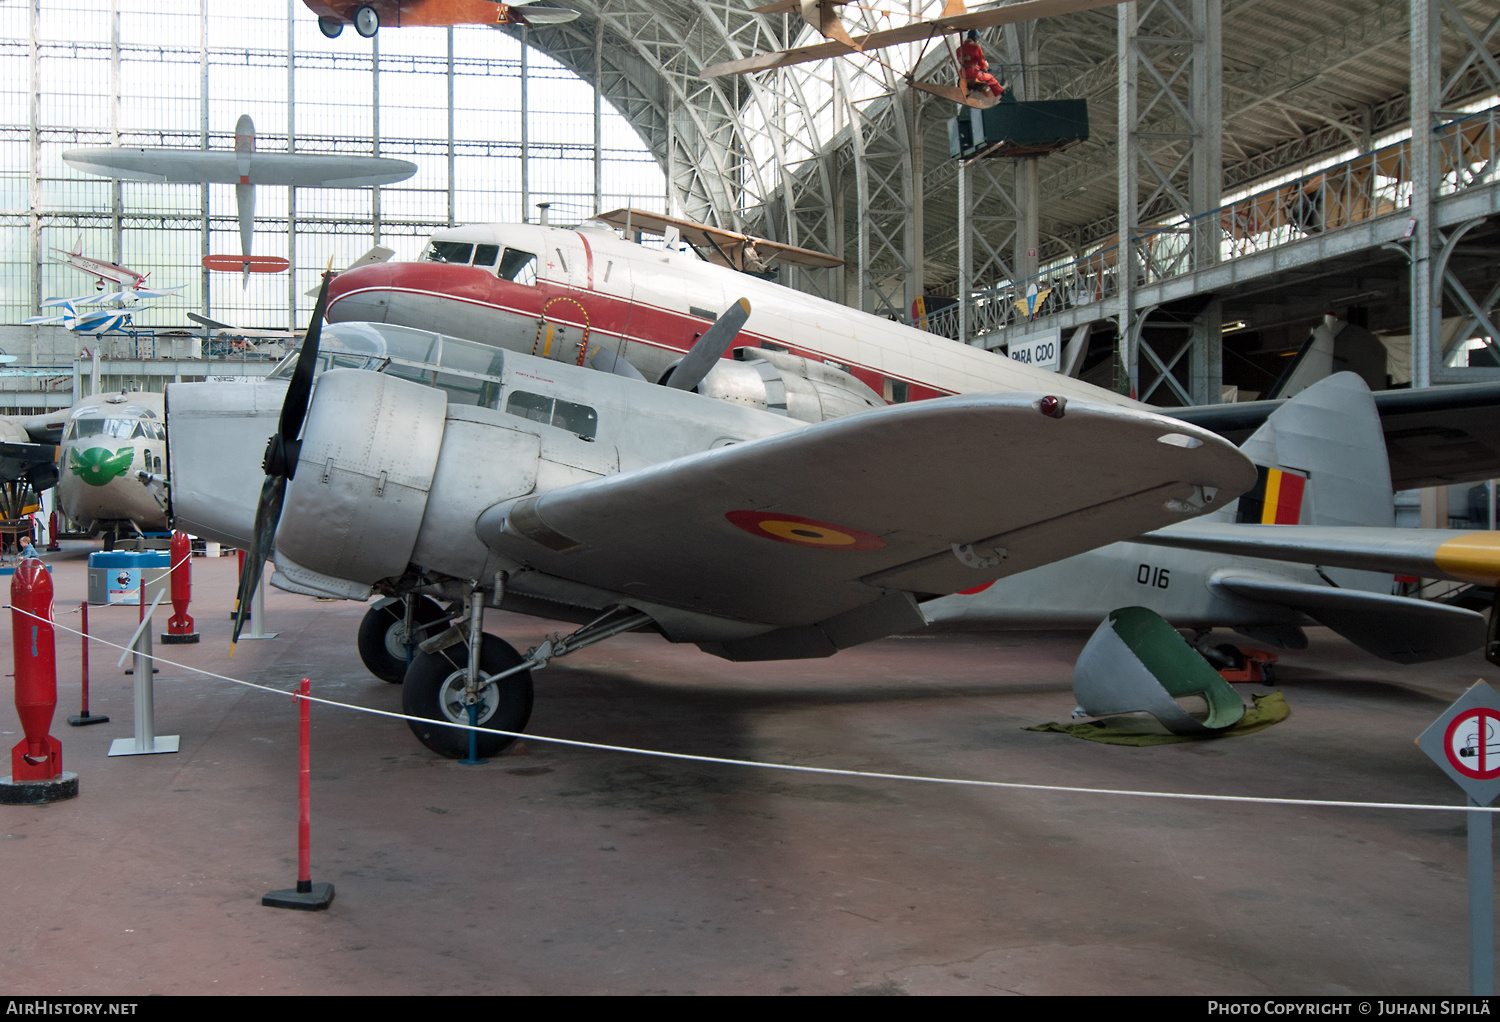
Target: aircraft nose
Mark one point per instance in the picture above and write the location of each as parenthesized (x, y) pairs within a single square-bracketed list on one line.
[(361, 295), (216, 440)]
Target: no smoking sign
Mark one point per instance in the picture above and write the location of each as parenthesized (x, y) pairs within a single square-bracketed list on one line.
[(1465, 743)]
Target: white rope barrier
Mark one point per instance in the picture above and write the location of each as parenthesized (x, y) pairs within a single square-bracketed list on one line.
[(797, 768)]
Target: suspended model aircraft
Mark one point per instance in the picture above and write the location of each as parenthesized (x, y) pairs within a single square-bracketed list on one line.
[(97, 314), (1314, 540), (244, 168), (955, 18), (486, 477), (367, 16), (585, 296), (101, 270)]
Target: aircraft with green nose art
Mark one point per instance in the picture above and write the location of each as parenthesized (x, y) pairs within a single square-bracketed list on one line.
[(114, 448)]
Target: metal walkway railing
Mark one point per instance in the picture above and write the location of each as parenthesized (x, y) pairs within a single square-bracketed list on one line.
[(1370, 186)]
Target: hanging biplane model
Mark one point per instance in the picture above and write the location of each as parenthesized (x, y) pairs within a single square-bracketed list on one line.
[(97, 314), (368, 16), (244, 168), (955, 18)]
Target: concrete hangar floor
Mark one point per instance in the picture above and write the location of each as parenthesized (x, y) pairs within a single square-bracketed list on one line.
[(564, 870)]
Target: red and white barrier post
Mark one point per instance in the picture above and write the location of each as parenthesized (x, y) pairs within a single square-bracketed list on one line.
[(36, 774), (180, 624), (84, 716), (306, 895)]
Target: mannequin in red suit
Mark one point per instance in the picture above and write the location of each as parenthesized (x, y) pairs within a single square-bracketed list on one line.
[(976, 70)]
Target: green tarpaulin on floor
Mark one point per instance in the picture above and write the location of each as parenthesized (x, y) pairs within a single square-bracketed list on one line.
[(1140, 730)]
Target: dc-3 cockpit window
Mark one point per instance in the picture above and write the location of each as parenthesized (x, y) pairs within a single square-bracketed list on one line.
[(578, 419), (518, 266), (449, 252), (484, 255), (118, 429)]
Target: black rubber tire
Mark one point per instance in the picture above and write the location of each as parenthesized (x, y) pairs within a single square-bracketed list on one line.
[(422, 692), (330, 27), (366, 21), (381, 633), (1236, 658)]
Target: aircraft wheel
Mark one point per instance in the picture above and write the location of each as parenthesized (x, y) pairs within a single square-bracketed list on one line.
[(366, 21), (331, 27), (434, 689), (1233, 655), (382, 637)]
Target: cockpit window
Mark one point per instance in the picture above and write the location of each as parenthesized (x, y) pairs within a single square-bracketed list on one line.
[(518, 266), (484, 255), (449, 252), (577, 419), (118, 429)]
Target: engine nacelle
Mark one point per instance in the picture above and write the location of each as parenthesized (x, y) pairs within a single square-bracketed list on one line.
[(391, 475), (369, 450), (786, 384)]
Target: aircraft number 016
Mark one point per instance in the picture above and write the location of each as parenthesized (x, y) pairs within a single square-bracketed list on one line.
[(1157, 578)]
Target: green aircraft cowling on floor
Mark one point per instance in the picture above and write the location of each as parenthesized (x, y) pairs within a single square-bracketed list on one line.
[(96, 466)]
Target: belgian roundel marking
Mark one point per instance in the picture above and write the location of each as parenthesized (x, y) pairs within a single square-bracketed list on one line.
[(803, 531)]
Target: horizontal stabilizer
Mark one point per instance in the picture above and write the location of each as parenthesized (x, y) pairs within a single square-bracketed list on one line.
[(1433, 435), (1399, 628), (1427, 553)]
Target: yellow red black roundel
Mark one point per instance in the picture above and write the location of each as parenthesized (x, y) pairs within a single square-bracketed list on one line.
[(803, 531)]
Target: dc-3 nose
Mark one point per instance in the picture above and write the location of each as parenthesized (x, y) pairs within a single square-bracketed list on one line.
[(363, 294)]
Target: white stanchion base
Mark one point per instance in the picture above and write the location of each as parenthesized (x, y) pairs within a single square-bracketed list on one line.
[(127, 746)]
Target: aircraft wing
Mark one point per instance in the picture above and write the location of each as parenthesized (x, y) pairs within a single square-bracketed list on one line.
[(715, 240), (1025, 10), (1433, 435), (226, 167), (929, 497), (1426, 553), (1398, 628)]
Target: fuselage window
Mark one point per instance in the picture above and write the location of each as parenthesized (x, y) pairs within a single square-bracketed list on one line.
[(518, 266), (484, 255), (449, 252), (580, 420)]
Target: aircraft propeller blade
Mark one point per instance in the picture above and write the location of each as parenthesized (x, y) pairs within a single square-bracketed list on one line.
[(716, 340), (280, 462), (267, 517)]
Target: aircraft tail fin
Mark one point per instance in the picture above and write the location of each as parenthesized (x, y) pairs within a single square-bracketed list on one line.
[(1322, 460)]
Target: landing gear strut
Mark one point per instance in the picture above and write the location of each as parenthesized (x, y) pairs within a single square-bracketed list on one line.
[(463, 667)]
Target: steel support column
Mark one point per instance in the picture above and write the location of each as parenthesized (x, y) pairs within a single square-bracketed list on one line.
[(1170, 164)]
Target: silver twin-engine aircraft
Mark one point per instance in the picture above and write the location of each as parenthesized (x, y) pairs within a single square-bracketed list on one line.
[(804, 519)]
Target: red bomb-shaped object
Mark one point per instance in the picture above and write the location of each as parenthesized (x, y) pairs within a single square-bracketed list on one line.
[(52, 543), (38, 756), (180, 624)]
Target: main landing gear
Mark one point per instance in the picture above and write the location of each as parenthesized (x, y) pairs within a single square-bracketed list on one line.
[(462, 675), (382, 634), (331, 27)]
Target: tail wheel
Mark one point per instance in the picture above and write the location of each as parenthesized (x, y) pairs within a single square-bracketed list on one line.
[(434, 690), (366, 21), (382, 636), (331, 27)]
